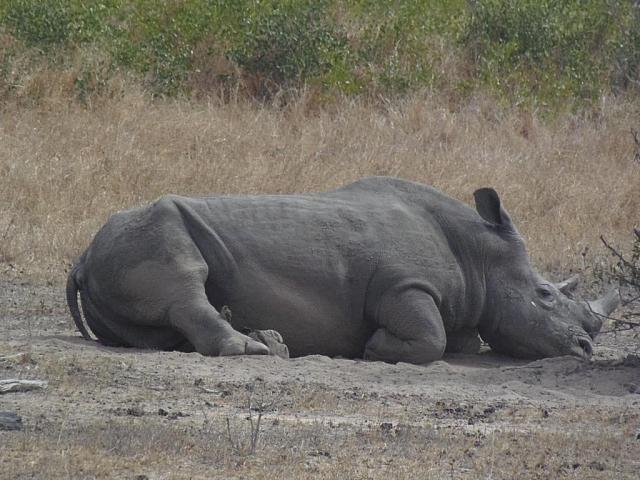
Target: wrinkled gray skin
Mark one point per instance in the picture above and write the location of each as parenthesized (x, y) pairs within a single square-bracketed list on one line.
[(382, 268)]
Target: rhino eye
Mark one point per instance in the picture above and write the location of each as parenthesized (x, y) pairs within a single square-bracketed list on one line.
[(545, 294)]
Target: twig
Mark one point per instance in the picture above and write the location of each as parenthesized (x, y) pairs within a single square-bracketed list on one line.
[(633, 268), (636, 155), (616, 330), (627, 302), (234, 446), (630, 325), (618, 254), (250, 445)]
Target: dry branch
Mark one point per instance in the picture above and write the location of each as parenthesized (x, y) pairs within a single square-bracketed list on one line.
[(626, 263), (14, 385)]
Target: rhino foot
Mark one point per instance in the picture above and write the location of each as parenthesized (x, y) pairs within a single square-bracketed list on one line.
[(272, 339), (243, 345)]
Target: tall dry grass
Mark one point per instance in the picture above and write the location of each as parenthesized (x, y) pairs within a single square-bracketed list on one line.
[(65, 168)]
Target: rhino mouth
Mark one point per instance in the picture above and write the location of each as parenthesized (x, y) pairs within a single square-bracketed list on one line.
[(582, 347), (579, 345)]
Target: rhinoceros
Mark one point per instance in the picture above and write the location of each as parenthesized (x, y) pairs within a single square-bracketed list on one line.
[(381, 269)]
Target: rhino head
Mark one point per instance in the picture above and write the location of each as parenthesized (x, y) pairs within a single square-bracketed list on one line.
[(524, 314)]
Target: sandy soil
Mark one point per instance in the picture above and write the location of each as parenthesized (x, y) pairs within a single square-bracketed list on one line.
[(126, 413)]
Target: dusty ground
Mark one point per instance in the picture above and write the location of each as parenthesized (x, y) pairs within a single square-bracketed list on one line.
[(125, 413)]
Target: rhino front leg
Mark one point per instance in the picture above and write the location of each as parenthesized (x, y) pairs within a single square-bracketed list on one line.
[(463, 341), (410, 329)]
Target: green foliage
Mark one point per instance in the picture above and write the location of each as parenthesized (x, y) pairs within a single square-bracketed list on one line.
[(51, 23), (549, 50), (539, 51), (287, 43), (395, 50), (39, 23)]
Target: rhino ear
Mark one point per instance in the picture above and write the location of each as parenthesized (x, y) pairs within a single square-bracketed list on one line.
[(489, 207), (569, 285)]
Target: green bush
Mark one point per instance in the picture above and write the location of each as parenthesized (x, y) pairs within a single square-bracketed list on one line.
[(537, 51), (39, 23), (395, 41), (51, 23), (287, 43), (551, 50)]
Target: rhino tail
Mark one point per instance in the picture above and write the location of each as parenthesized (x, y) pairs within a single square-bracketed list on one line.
[(72, 301)]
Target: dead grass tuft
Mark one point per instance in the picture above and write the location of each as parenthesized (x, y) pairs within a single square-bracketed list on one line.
[(66, 168)]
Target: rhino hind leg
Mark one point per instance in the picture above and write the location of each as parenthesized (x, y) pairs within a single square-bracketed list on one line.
[(209, 333), (410, 330), (172, 295)]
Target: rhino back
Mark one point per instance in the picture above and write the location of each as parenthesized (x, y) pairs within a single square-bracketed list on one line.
[(296, 264), (307, 265)]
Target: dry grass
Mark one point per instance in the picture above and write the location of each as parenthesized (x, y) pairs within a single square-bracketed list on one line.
[(158, 447), (66, 168)]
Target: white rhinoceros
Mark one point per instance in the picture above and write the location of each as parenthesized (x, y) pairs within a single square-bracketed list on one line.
[(383, 269)]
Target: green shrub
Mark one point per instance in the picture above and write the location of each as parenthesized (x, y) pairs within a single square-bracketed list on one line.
[(537, 51), (549, 50), (51, 23), (394, 48), (287, 43), (39, 23)]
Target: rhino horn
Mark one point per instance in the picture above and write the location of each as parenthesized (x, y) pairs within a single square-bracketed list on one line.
[(600, 309), (569, 285), (605, 305)]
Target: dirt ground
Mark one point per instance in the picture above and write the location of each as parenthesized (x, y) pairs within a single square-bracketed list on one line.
[(126, 413)]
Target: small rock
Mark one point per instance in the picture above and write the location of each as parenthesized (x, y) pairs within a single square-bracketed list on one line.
[(135, 411), (175, 415), (319, 453), (596, 466), (10, 421), (386, 426)]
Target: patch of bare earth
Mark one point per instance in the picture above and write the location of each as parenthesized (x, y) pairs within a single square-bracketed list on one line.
[(125, 413)]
